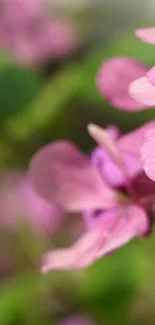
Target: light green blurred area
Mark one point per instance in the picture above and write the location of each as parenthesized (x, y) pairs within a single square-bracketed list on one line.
[(34, 110)]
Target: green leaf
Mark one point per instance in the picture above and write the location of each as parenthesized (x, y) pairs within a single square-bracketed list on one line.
[(111, 284), (51, 100), (17, 89), (15, 297)]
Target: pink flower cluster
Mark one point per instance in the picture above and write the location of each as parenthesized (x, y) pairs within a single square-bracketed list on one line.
[(113, 188), (109, 188), (29, 32)]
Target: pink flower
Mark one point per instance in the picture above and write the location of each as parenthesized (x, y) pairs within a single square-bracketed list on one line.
[(31, 35), (114, 78), (143, 89), (77, 320), (20, 204), (109, 188)]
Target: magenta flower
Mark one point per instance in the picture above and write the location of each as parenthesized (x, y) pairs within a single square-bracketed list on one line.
[(109, 189), (32, 36), (114, 78), (20, 204), (77, 320)]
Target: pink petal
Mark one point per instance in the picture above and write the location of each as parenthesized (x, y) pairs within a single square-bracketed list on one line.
[(151, 75), (78, 256), (111, 172), (148, 153), (143, 91), (103, 138), (114, 78), (113, 131), (112, 233), (131, 142), (129, 223), (146, 34), (96, 218), (61, 174), (58, 259)]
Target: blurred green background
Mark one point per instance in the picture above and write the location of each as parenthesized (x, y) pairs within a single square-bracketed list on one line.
[(57, 100)]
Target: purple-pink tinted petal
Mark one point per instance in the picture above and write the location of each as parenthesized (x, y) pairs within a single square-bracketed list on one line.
[(131, 142), (148, 153), (147, 35), (109, 145), (111, 172), (114, 78), (96, 218), (63, 175), (143, 91), (113, 131), (129, 223)]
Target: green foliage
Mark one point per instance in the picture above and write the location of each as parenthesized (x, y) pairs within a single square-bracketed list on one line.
[(50, 101)]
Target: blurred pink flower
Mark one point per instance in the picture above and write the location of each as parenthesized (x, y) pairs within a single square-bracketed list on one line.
[(77, 320), (32, 36), (114, 78), (109, 188), (20, 204)]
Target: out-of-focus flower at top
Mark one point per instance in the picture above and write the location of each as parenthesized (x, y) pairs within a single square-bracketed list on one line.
[(19, 204), (32, 35), (77, 320), (109, 188), (114, 78), (70, 5)]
